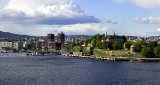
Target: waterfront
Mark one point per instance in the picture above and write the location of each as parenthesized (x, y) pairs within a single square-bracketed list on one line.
[(60, 70)]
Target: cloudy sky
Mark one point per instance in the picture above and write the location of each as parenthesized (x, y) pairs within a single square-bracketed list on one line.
[(40, 17)]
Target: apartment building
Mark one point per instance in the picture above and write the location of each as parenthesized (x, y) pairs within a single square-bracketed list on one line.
[(7, 45)]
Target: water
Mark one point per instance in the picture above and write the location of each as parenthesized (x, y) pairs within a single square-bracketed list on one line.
[(59, 70)]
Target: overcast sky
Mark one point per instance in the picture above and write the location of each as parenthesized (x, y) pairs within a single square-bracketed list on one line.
[(40, 17)]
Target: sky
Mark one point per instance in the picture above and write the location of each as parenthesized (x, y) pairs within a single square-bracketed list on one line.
[(76, 17)]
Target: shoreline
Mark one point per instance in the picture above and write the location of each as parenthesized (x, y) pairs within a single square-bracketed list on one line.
[(109, 58), (116, 59)]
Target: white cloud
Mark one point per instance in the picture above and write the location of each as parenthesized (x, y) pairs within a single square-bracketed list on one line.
[(141, 3), (88, 29), (148, 20), (39, 17), (44, 10), (45, 7), (39, 11)]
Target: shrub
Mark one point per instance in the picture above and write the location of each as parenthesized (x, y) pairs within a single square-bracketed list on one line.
[(157, 51), (147, 52), (117, 45), (152, 44), (139, 46)]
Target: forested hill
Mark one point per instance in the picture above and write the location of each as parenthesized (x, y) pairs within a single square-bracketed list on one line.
[(12, 35)]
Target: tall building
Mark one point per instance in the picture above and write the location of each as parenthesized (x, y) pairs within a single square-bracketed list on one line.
[(106, 34), (51, 37), (52, 44), (61, 39)]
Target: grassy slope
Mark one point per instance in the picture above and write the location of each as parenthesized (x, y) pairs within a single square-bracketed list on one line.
[(119, 53)]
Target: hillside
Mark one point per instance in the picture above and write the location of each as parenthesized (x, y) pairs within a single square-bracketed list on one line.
[(12, 35)]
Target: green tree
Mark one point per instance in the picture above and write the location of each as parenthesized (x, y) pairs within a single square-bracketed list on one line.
[(117, 45), (77, 48), (157, 51), (99, 44), (110, 45), (124, 39), (147, 52), (28, 46), (99, 37), (70, 46), (46, 49), (139, 45), (105, 45), (128, 45), (94, 42), (152, 44)]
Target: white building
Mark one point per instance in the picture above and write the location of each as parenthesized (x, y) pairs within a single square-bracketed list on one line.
[(5, 45), (10, 45)]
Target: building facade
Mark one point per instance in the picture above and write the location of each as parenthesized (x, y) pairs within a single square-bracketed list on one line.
[(6, 45), (52, 43)]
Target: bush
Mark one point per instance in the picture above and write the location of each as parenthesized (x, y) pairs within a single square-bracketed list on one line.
[(147, 52), (153, 44), (117, 45), (157, 51), (77, 48), (99, 52), (139, 46)]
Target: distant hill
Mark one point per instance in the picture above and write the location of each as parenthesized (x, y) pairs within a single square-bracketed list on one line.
[(12, 35)]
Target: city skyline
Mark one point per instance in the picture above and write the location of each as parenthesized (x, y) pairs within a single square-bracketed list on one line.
[(40, 17)]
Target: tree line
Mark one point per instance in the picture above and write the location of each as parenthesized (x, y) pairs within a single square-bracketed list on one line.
[(146, 49)]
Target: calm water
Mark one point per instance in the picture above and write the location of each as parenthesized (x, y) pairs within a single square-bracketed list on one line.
[(59, 70)]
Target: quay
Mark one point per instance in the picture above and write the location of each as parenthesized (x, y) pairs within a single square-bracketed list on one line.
[(117, 58)]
